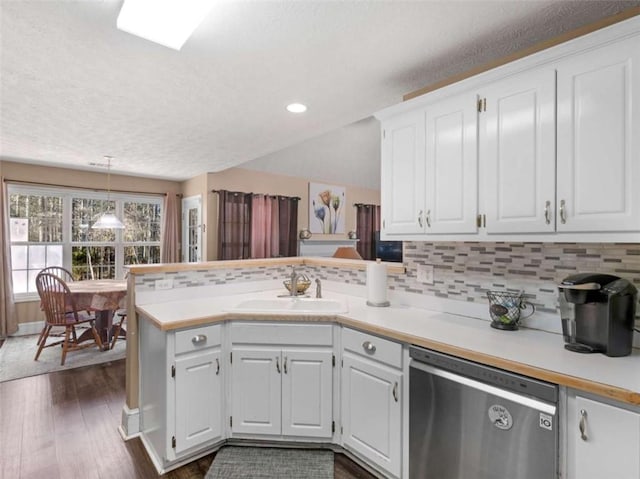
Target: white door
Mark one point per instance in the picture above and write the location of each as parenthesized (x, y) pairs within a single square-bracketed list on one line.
[(371, 412), (611, 443), (517, 138), (402, 188), (599, 139), (198, 400), (452, 165), (192, 229), (255, 389), (307, 392)]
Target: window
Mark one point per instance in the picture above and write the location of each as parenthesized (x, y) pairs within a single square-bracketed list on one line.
[(52, 227)]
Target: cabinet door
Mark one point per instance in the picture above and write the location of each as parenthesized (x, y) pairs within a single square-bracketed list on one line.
[(452, 165), (371, 412), (611, 446), (598, 140), (307, 392), (402, 189), (198, 400), (255, 386), (518, 153)]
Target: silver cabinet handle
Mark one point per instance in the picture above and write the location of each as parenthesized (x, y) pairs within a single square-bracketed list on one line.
[(199, 338), (369, 347), (428, 218), (563, 212), (395, 391), (420, 218), (547, 212), (583, 425), (217, 366), (285, 365), (278, 365)]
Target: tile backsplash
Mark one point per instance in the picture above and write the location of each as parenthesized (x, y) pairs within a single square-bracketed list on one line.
[(463, 271)]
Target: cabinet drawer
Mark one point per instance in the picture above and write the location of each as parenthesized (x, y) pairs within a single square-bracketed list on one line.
[(373, 347), (278, 333), (195, 339)]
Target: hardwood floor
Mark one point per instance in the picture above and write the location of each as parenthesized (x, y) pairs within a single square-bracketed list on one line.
[(63, 425)]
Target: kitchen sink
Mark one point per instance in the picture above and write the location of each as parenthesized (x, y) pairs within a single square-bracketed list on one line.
[(291, 305)]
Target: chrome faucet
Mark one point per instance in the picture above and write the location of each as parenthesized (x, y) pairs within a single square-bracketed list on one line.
[(318, 288), (294, 282)]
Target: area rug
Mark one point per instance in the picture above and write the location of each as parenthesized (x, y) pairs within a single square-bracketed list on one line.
[(17, 353), (233, 462)]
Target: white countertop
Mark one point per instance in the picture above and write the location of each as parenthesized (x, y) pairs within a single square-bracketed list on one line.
[(527, 351)]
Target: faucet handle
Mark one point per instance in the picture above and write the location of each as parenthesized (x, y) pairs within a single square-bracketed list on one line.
[(318, 288)]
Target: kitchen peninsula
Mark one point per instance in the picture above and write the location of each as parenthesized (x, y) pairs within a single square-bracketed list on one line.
[(203, 357)]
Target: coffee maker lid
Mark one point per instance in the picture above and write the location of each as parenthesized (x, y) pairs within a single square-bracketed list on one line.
[(587, 281)]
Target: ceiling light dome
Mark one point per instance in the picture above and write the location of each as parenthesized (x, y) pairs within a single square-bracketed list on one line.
[(296, 108)]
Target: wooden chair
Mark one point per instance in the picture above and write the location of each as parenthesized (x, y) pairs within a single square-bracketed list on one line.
[(117, 327), (62, 273), (60, 310)]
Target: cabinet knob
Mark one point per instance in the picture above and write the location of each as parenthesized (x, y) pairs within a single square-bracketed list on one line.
[(428, 218), (420, 218), (278, 364), (199, 338), (217, 366), (583, 425), (369, 347), (395, 391)]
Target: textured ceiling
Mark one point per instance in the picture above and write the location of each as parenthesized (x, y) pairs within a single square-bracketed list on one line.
[(74, 88)]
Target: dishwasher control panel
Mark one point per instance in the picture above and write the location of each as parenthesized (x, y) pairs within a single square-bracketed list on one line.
[(487, 374)]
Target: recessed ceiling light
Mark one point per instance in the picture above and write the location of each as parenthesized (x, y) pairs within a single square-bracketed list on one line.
[(167, 22), (297, 108)]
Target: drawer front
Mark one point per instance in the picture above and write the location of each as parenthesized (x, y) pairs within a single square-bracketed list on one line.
[(194, 339), (283, 334), (373, 347)]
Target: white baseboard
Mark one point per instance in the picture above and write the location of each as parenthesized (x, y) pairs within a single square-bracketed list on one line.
[(26, 329), (130, 426)]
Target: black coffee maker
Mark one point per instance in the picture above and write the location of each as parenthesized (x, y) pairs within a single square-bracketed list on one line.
[(598, 313)]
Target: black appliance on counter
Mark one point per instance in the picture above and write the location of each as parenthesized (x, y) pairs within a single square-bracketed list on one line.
[(598, 313), (388, 250)]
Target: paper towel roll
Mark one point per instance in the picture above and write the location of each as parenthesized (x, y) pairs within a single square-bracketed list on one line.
[(377, 284)]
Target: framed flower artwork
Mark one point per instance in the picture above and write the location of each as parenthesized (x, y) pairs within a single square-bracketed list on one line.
[(327, 205)]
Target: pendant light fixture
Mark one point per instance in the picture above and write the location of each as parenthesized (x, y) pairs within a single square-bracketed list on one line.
[(108, 220)]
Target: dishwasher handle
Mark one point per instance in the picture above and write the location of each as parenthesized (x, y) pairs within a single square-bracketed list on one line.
[(486, 388)]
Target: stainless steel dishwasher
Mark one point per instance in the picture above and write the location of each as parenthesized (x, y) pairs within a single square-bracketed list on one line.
[(471, 421)]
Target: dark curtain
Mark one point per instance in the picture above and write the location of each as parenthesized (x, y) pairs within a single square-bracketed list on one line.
[(367, 223), (234, 225), (288, 220)]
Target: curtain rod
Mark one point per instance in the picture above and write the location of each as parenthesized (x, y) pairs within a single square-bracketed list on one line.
[(35, 183), (263, 194), (363, 204)]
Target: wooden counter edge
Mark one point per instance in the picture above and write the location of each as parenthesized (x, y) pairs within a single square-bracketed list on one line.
[(392, 268), (613, 392)]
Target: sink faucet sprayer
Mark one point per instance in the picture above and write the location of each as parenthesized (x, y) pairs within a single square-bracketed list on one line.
[(318, 288)]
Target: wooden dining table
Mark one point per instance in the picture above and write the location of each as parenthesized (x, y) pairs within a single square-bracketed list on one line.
[(104, 297)]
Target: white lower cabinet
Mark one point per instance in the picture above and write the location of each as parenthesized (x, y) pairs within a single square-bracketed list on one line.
[(371, 400), (284, 387), (603, 440), (181, 392)]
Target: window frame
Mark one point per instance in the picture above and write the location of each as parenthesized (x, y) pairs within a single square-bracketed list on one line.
[(67, 194)]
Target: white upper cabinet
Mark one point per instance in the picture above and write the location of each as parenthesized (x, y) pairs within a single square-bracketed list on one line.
[(518, 153), (599, 139), (558, 139), (403, 174), (451, 162)]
